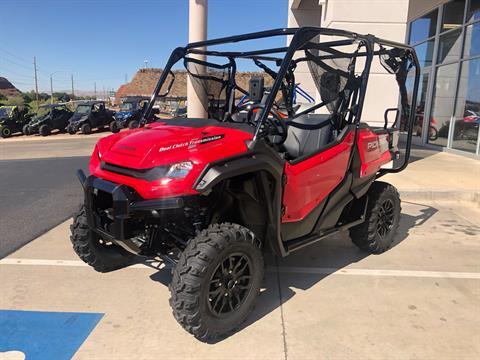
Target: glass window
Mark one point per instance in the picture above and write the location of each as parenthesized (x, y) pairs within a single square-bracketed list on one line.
[(442, 104), (421, 99), (472, 40), (467, 111), (453, 15), (425, 53), (449, 47), (423, 27), (473, 10)]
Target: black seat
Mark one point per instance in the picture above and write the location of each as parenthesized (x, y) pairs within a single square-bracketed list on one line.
[(302, 142)]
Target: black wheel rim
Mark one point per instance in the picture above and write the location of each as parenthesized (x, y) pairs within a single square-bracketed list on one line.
[(386, 218), (230, 284)]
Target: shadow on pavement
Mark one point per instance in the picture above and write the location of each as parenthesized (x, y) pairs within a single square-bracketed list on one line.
[(331, 254)]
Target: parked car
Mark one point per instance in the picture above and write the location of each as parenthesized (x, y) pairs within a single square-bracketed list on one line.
[(48, 118), (131, 111), (90, 115), (12, 119)]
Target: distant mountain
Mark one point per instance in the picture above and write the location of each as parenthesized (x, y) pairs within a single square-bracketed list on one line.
[(7, 88)]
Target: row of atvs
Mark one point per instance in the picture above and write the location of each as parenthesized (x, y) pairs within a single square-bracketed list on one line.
[(88, 115)]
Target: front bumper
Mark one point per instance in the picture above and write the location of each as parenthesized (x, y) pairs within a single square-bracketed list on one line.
[(122, 122), (114, 211), (72, 128), (33, 128)]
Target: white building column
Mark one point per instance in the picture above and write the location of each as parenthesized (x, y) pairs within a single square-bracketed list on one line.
[(197, 31)]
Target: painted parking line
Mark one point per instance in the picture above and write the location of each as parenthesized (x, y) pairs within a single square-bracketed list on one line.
[(38, 335), (281, 269)]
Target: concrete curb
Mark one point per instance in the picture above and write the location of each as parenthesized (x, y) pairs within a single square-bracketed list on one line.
[(437, 195)]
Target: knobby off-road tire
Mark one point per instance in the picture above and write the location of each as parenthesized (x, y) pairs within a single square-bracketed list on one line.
[(211, 277), (44, 130), (133, 124), (113, 127), (377, 233), (86, 129), (5, 131), (86, 244), (26, 130)]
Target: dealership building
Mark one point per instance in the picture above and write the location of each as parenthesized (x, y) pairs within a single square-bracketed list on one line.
[(446, 37)]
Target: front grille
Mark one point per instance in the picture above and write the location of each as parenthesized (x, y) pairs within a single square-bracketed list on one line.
[(150, 174)]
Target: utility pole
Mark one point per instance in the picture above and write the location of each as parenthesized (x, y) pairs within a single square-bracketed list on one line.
[(146, 63), (36, 80), (51, 89), (95, 89), (73, 92)]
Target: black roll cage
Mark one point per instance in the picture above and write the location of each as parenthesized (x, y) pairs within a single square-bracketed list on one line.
[(301, 40)]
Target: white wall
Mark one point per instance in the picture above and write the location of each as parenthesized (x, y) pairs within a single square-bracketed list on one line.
[(383, 18)]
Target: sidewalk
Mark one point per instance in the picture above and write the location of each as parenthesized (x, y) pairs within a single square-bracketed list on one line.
[(441, 176)]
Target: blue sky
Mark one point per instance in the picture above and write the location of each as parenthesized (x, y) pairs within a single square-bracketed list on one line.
[(103, 40)]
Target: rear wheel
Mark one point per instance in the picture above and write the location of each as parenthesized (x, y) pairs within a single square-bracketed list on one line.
[(45, 130), (5, 131), (216, 281), (377, 233), (92, 250), (133, 124), (113, 127), (86, 129)]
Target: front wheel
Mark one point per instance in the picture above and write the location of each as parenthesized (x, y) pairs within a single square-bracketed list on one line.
[(26, 129), (433, 133), (86, 129), (113, 127), (45, 130), (376, 234), (217, 280), (93, 250), (133, 124)]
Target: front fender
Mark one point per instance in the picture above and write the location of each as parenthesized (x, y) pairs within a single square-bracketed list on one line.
[(269, 165)]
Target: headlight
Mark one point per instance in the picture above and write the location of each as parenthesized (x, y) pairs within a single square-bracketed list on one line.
[(179, 170)]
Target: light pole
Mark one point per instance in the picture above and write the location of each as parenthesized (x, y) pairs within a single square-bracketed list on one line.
[(51, 84)]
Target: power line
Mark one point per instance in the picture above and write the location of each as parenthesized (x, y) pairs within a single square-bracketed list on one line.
[(15, 63), (14, 56), (14, 74)]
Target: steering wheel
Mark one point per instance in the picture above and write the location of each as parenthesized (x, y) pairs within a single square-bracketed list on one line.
[(275, 124)]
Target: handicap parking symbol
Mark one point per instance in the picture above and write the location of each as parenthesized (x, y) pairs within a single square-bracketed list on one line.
[(39, 335)]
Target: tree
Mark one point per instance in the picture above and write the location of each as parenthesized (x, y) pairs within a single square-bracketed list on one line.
[(15, 100), (61, 96)]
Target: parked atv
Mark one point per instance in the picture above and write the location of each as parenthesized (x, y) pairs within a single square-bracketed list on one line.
[(49, 117), (13, 119), (88, 116), (210, 195), (130, 113)]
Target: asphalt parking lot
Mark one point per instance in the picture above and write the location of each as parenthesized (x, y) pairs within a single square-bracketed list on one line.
[(419, 300), (39, 186)]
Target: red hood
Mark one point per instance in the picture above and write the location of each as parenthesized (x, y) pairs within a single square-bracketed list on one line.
[(159, 144)]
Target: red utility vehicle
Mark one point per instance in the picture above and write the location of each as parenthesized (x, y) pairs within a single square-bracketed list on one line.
[(209, 195)]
